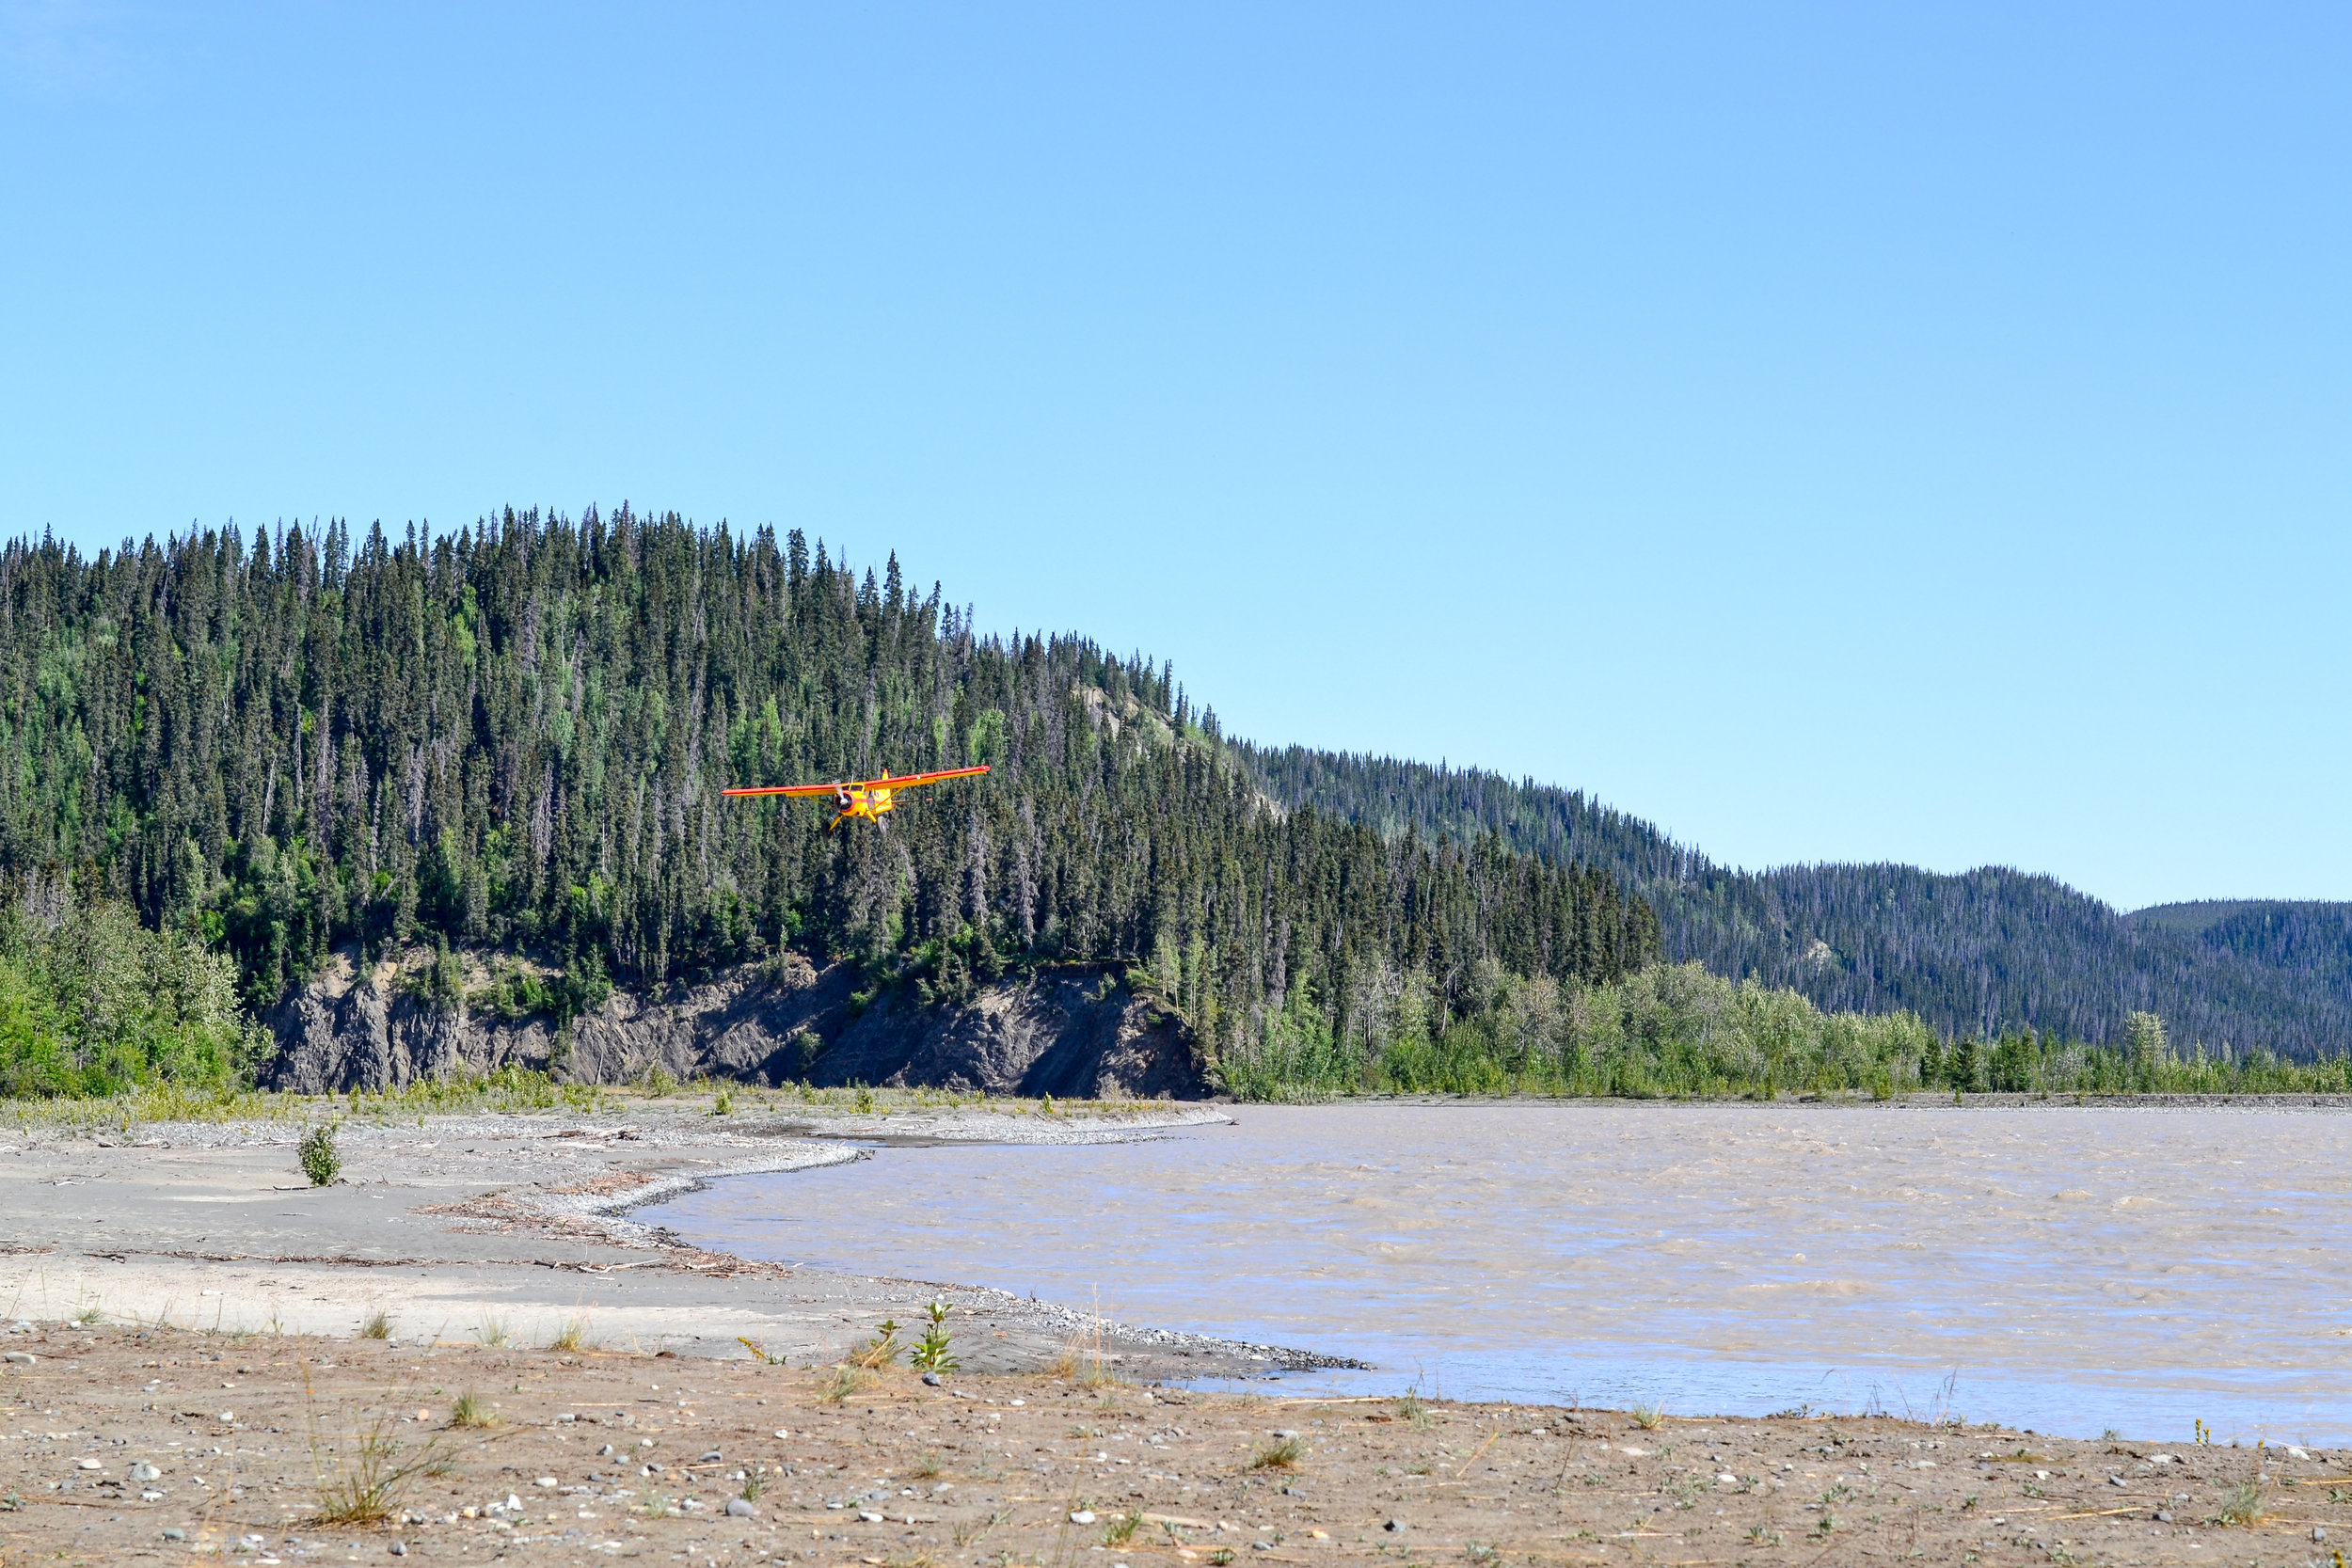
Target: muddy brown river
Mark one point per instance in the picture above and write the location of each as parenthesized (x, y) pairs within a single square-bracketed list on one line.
[(2067, 1270)]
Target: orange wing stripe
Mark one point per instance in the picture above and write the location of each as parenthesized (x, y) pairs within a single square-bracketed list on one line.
[(901, 781)]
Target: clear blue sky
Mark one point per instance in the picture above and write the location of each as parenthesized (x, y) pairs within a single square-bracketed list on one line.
[(1833, 433)]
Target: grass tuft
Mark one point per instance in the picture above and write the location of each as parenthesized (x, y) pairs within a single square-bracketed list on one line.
[(836, 1386), (359, 1481), (1649, 1417), (573, 1336), (467, 1411), (378, 1325), (1282, 1453), (2242, 1505)]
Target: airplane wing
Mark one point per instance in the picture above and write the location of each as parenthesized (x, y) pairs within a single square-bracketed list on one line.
[(901, 781), (926, 778), (786, 789)]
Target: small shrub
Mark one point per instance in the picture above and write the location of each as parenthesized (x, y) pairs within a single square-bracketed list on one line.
[(724, 1104), (320, 1160)]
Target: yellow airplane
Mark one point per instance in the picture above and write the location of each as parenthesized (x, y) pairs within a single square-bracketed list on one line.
[(872, 799)]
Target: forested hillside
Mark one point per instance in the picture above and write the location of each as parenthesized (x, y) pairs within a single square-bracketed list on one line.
[(513, 738), (1983, 953)]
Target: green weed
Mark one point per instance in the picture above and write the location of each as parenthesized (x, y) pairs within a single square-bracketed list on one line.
[(881, 1351), (931, 1354)]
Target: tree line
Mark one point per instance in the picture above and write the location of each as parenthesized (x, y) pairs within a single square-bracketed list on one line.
[(512, 738), (1677, 1031)]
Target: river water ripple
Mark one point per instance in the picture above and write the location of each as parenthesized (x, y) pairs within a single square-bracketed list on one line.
[(2067, 1270)]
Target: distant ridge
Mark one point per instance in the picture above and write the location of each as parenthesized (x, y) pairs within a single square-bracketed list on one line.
[(2201, 915), (1984, 952)]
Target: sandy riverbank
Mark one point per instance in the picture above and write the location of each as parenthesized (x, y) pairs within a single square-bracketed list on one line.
[(511, 1226), (125, 1445)]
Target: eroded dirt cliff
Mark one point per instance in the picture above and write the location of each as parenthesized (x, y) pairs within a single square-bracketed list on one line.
[(1069, 1031)]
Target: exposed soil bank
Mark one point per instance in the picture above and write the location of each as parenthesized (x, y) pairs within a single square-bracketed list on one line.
[(1069, 1030), (144, 1445)]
